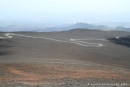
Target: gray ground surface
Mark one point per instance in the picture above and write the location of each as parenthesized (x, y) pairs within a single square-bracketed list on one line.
[(113, 53)]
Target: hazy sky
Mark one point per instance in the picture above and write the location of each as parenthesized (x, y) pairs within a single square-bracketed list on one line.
[(66, 11)]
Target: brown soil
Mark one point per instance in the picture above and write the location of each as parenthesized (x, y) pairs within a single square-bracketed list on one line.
[(32, 74)]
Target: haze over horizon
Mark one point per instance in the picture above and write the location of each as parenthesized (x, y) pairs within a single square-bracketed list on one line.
[(57, 12), (65, 10)]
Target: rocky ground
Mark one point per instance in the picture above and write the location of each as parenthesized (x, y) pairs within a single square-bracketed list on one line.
[(62, 75)]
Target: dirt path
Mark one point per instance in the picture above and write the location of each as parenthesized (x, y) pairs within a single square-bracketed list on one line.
[(74, 41)]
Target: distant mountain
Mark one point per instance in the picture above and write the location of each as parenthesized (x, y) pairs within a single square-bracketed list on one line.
[(122, 28), (114, 24), (84, 25), (77, 25), (40, 27)]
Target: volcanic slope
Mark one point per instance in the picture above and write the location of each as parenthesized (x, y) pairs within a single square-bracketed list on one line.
[(74, 56)]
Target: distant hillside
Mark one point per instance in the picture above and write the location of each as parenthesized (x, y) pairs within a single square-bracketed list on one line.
[(77, 25), (115, 24), (122, 28), (11, 27)]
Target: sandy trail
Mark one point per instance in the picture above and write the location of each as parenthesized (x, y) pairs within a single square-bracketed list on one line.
[(81, 42)]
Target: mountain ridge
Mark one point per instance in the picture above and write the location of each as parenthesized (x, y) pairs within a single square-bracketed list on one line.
[(41, 28)]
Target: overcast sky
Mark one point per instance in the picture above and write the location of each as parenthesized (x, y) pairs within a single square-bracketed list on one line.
[(66, 11)]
